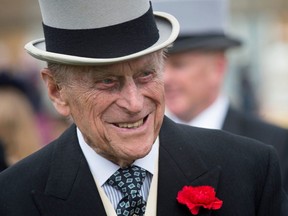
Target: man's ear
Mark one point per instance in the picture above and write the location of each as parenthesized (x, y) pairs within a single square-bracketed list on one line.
[(54, 93)]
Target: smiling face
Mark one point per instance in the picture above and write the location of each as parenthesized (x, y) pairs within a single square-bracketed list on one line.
[(118, 108)]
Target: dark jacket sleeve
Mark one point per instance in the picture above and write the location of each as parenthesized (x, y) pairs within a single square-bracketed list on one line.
[(272, 193)]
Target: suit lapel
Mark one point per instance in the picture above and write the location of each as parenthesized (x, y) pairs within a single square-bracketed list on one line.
[(180, 165), (70, 182)]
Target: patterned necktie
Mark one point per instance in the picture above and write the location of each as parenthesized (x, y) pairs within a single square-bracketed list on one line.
[(129, 182)]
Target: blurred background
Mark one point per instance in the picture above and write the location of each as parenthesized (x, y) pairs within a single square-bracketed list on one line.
[(20, 22), (257, 80)]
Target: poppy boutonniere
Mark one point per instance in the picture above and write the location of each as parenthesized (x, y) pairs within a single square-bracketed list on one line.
[(196, 197)]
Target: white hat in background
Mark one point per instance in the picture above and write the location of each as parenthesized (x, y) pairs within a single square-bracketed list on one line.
[(203, 24)]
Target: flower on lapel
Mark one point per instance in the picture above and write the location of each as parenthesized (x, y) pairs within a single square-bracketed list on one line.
[(200, 196)]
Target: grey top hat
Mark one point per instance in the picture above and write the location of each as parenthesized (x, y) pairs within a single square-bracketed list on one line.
[(203, 24), (96, 32)]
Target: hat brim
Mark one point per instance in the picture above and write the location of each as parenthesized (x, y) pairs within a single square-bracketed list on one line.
[(204, 42), (167, 25)]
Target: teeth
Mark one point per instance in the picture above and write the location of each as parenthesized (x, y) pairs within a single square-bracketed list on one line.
[(131, 125)]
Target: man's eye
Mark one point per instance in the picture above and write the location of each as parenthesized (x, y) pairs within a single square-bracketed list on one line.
[(146, 76), (146, 73), (107, 81)]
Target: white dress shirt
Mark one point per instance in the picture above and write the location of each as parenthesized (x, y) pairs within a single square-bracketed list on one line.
[(213, 117), (102, 169)]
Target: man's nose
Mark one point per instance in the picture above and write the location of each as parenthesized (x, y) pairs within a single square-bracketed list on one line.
[(131, 97)]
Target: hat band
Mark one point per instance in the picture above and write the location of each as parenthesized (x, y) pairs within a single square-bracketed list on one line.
[(107, 42)]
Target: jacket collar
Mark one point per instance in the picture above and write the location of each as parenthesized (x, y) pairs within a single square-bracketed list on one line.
[(70, 182), (180, 164)]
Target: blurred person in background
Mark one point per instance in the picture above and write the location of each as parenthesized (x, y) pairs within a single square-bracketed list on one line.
[(195, 72), (19, 133), (50, 123)]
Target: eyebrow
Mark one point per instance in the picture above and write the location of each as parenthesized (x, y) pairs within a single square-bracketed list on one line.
[(149, 67), (99, 71), (104, 71), (150, 64)]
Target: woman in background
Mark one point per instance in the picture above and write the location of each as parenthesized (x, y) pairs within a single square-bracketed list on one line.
[(19, 133)]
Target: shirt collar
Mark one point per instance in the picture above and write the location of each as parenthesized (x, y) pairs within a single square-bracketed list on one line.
[(102, 169), (213, 117)]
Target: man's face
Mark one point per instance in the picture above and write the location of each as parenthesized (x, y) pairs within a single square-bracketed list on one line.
[(118, 108), (192, 81)]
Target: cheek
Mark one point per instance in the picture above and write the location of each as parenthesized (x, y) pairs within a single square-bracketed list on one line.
[(90, 121), (87, 107), (156, 91)]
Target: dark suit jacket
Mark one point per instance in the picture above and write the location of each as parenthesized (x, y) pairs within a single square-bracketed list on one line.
[(56, 180), (248, 125)]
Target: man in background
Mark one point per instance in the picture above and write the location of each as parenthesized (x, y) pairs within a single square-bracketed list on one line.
[(195, 72)]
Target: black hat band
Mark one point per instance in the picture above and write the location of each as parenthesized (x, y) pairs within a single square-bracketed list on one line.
[(107, 42)]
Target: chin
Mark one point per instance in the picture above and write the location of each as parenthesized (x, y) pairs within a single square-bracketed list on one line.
[(140, 152)]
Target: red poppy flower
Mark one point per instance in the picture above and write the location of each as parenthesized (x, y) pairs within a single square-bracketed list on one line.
[(196, 197)]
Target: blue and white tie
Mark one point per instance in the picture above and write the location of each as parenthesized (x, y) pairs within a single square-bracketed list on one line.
[(129, 182)]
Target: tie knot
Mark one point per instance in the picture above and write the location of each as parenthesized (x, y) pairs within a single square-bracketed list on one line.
[(128, 180)]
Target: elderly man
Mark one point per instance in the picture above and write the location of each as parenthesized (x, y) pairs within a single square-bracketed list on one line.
[(122, 156)]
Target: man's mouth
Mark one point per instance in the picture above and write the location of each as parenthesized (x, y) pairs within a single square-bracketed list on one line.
[(132, 125)]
